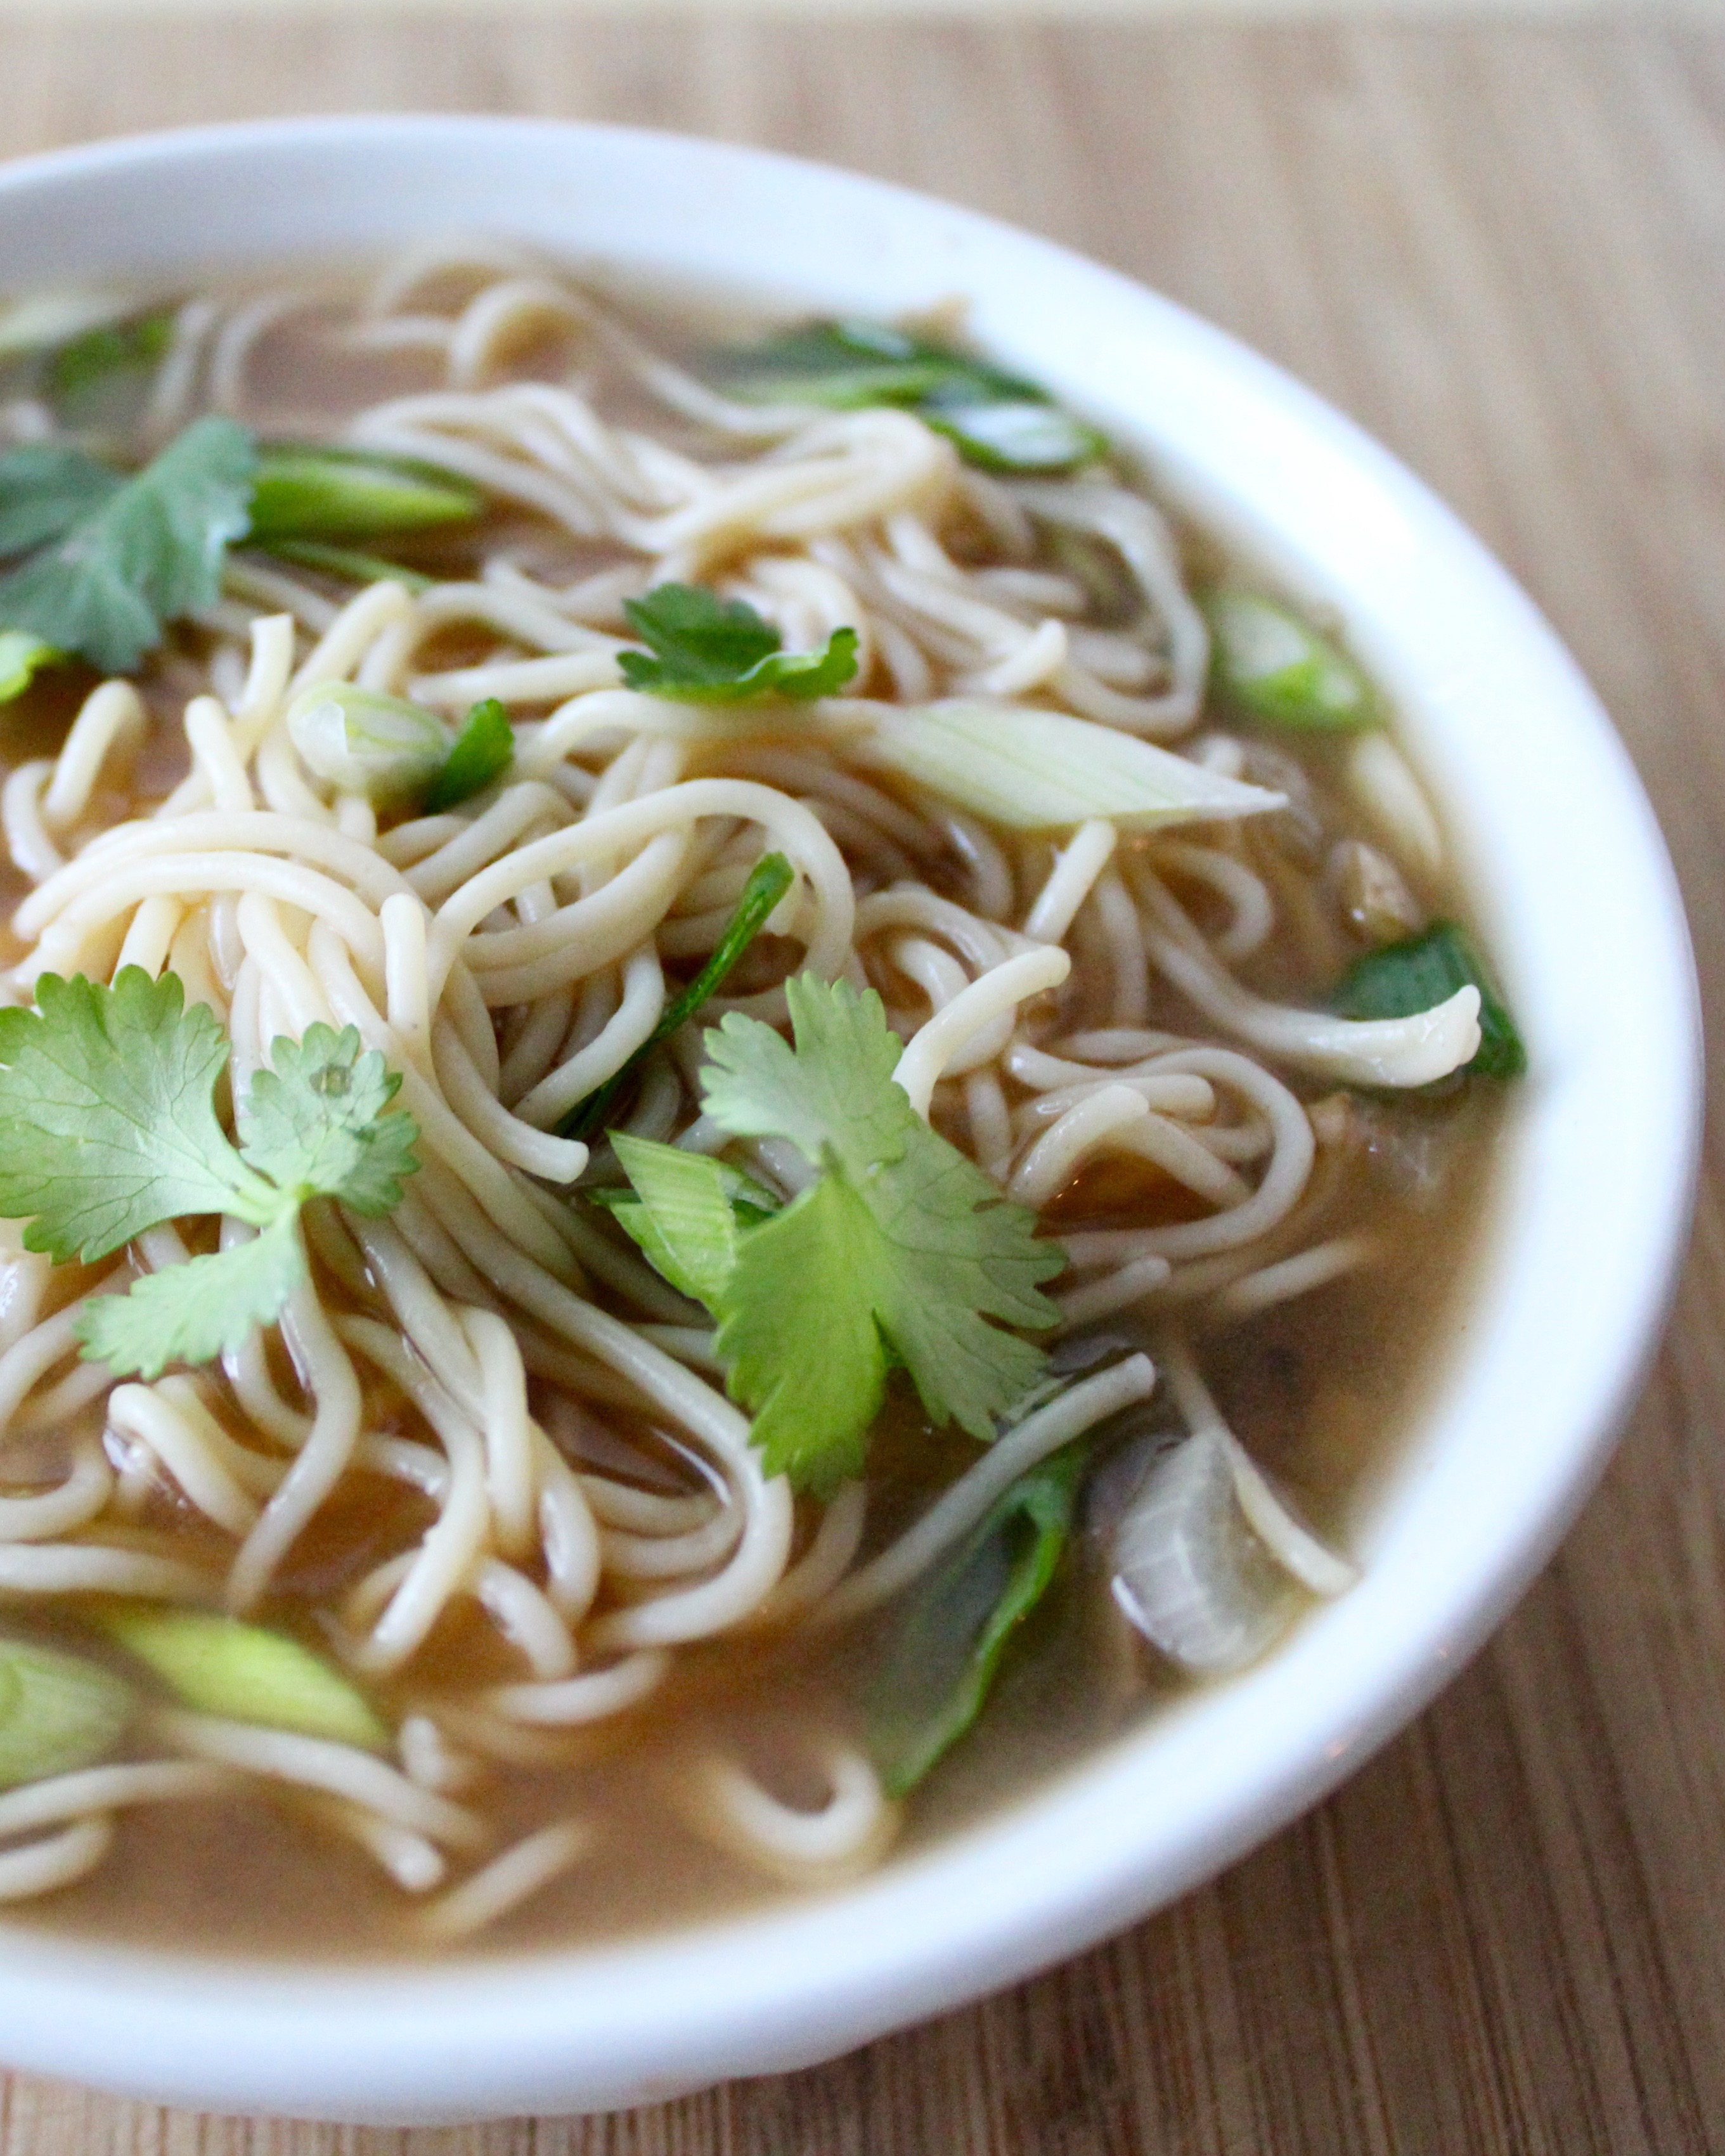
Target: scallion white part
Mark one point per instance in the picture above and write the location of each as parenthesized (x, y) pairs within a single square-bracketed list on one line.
[(1042, 771), (1189, 1572), (381, 747)]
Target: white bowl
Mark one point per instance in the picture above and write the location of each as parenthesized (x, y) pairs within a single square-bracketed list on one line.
[(1583, 919)]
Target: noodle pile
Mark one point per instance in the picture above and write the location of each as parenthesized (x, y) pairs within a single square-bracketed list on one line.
[(508, 958)]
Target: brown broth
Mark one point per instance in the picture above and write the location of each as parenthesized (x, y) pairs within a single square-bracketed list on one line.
[(1320, 1390)]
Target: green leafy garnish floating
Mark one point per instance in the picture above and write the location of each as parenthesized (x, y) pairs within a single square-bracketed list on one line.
[(128, 555), (483, 750), (995, 419), (901, 1249), (709, 651), (949, 1646), (306, 493), (1422, 972), (1277, 668), (769, 879), (91, 362), (45, 489), (58, 1712), (219, 1666), (108, 1127)]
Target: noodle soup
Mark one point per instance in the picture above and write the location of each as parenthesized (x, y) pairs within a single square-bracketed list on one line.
[(734, 1109)]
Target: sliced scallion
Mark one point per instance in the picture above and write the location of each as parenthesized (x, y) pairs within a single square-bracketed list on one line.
[(219, 1665), (1277, 668), (338, 495), (381, 747), (58, 1712), (1042, 771)]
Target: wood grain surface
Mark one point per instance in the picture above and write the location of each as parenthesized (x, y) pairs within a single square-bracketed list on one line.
[(1503, 250)]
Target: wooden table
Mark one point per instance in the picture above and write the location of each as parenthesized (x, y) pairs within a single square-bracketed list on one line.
[(1503, 249)]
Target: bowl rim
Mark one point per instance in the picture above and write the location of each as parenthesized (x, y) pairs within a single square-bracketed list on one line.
[(604, 2025)]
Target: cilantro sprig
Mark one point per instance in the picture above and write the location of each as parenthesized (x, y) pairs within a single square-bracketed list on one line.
[(119, 558), (708, 651), (111, 560), (108, 1127), (900, 1250)]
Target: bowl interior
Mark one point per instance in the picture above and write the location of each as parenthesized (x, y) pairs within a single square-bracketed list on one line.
[(1569, 875)]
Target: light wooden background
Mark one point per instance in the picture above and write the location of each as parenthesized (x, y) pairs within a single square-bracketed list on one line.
[(1504, 250)]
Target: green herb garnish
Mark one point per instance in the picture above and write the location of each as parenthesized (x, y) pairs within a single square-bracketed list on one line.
[(1422, 972), (1278, 669), (709, 651), (483, 750), (108, 1127), (950, 1644), (901, 1249), (995, 419), (121, 558), (336, 494), (219, 1665), (91, 362), (769, 879), (58, 1712)]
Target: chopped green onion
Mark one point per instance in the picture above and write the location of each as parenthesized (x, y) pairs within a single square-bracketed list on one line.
[(382, 747), (21, 657), (217, 1664), (685, 1213), (947, 1652), (58, 1712), (770, 879), (90, 362), (304, 493), (1016, 437), (1422, 972), (995, 419), (344, 561), (1042, 771), (40, 320), (1274, 667), (483, 750)]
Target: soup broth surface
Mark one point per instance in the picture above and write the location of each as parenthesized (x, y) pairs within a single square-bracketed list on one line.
[(1318, 1386)]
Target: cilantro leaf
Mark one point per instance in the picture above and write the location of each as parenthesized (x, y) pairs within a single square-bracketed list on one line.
[(709, 651), (948, 1649), (903, 1246), (482, 752), (146, 551), (317, 1125), (769, 879), (45, 488), (106, 1122), (108, 1127), (193, 1312)]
